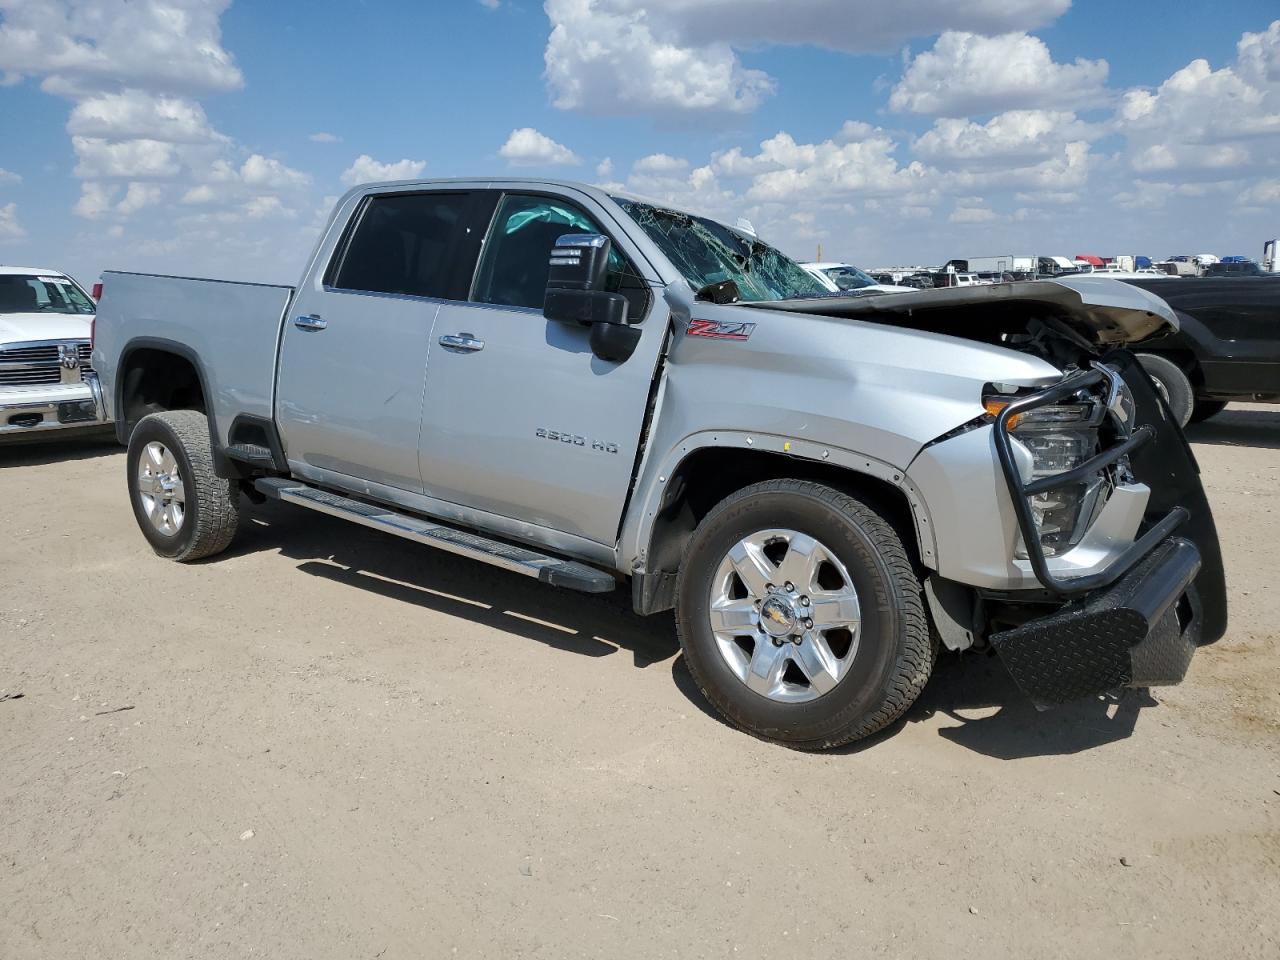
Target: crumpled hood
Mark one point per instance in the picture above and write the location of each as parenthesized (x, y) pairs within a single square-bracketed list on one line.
[(1101, 310), (20, 327)]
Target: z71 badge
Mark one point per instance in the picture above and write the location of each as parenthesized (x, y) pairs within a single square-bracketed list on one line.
[(720, 330)]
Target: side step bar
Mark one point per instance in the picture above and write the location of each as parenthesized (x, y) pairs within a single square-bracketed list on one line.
[(548, 569)]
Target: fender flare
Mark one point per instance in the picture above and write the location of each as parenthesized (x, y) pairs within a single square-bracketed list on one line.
[(638, 531)]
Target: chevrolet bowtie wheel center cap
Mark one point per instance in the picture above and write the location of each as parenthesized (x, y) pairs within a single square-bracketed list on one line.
[(777, 617)]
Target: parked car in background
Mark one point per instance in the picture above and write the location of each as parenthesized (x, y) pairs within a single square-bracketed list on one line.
[(918, 281), (605, 391), (846, 278), (1227, 347), (45, 324), (1232, 267)]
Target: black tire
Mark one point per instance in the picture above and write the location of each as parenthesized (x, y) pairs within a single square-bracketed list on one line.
[(1204, 409), (212, 504), (894, 654), (1172, 384)]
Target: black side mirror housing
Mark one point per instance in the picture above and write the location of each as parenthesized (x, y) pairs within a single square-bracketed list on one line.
[(575, 294)]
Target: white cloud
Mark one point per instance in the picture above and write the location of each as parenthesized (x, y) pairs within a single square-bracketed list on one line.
[(659, 163), (604, 169), (965, 74), (1016, 137), (679, 56), (526, 147), (135, 114), (365, 169), (265, 206), (267, 173), (604, 57), (1265, 193), (125, 159), (95, 199), (972, 214), (8, 176), (81, 47), (861, 160), (10, 228), (137, 196), (491, 4), (1208, 123), (322, 137)]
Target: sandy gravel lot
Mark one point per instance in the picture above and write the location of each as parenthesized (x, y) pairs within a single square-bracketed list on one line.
[(332, 744)]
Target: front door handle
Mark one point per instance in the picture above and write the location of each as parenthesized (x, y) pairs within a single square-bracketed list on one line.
[(312, 322), (461, 341)]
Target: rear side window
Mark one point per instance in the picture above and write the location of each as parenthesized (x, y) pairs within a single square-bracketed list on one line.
[(403, 243)]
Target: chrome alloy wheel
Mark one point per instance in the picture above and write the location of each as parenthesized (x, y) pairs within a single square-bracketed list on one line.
[(164, 499), (785, 615)]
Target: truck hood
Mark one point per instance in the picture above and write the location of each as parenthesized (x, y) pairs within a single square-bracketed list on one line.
[(20, 327), (1102, 311)]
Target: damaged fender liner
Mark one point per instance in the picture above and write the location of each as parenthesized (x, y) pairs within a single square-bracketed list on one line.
[(1099, 310), (1141, 632)]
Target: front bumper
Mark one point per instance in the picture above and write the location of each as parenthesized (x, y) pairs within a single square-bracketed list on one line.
[(55, 407), (1139, 632)]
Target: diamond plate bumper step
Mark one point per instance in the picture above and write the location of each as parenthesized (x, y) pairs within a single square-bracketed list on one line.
[(1140, 632), (548, 569)]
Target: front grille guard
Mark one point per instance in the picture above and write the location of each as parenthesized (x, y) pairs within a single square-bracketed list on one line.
[(1021, 492)]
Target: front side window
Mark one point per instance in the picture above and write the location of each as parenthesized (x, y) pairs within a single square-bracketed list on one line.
[(402, 244), (706, 252), (517, 255), (26, 293)]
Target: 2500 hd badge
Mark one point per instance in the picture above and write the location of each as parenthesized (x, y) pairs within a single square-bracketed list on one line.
[(576, 440)]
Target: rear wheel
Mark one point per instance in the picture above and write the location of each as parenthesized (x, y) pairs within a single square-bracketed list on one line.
[(184, 509), (800, 615), (1172, 384), (1204, 409)]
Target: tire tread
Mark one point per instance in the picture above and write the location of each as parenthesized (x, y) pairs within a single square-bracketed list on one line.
[(217, 513), (914, 661)]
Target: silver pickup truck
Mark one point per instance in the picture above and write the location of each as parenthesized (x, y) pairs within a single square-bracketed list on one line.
[(595, 390)]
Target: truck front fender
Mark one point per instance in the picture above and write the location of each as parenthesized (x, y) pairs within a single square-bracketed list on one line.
[(765, 456)]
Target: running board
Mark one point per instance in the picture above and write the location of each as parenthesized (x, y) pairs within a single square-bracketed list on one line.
[(553, 570)]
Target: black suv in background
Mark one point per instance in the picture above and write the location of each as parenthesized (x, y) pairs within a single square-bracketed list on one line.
[(1246, 268), (1228, 347)]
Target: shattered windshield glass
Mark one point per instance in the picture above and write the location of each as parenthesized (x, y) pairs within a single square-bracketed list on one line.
[(706, 252)]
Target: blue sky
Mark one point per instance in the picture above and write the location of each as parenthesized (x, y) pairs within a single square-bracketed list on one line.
[(209, 138)]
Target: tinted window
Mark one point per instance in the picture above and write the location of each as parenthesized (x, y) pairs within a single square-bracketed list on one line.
[(513, 269), (41, 294), (402, 244)]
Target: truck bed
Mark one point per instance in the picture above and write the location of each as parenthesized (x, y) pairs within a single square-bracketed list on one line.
[(230, 330)]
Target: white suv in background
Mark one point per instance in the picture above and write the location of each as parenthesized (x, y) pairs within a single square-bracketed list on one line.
[(846, 278), (45, 326)]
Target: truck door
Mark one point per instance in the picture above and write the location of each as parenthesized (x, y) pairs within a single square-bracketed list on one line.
[(521, 419), (354, 352)]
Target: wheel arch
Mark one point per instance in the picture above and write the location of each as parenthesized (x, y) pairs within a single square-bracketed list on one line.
[(156, 374), (705, 469)]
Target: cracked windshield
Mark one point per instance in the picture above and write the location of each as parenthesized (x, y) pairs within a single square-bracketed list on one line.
[(706, 252)]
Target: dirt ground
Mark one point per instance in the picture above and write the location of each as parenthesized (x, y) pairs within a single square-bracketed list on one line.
[(333, 744)]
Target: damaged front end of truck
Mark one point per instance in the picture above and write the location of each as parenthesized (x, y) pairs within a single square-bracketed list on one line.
[(1103, 569)]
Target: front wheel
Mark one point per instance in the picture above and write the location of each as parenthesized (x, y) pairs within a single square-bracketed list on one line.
[(184, 509), (1172, 384), (800, 615), (1204, 409)]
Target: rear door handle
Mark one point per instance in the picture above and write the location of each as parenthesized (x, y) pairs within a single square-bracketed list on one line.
[(461, 341), (312, 322)]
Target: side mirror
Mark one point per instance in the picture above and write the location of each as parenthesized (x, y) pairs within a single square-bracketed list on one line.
[(575, 294)]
